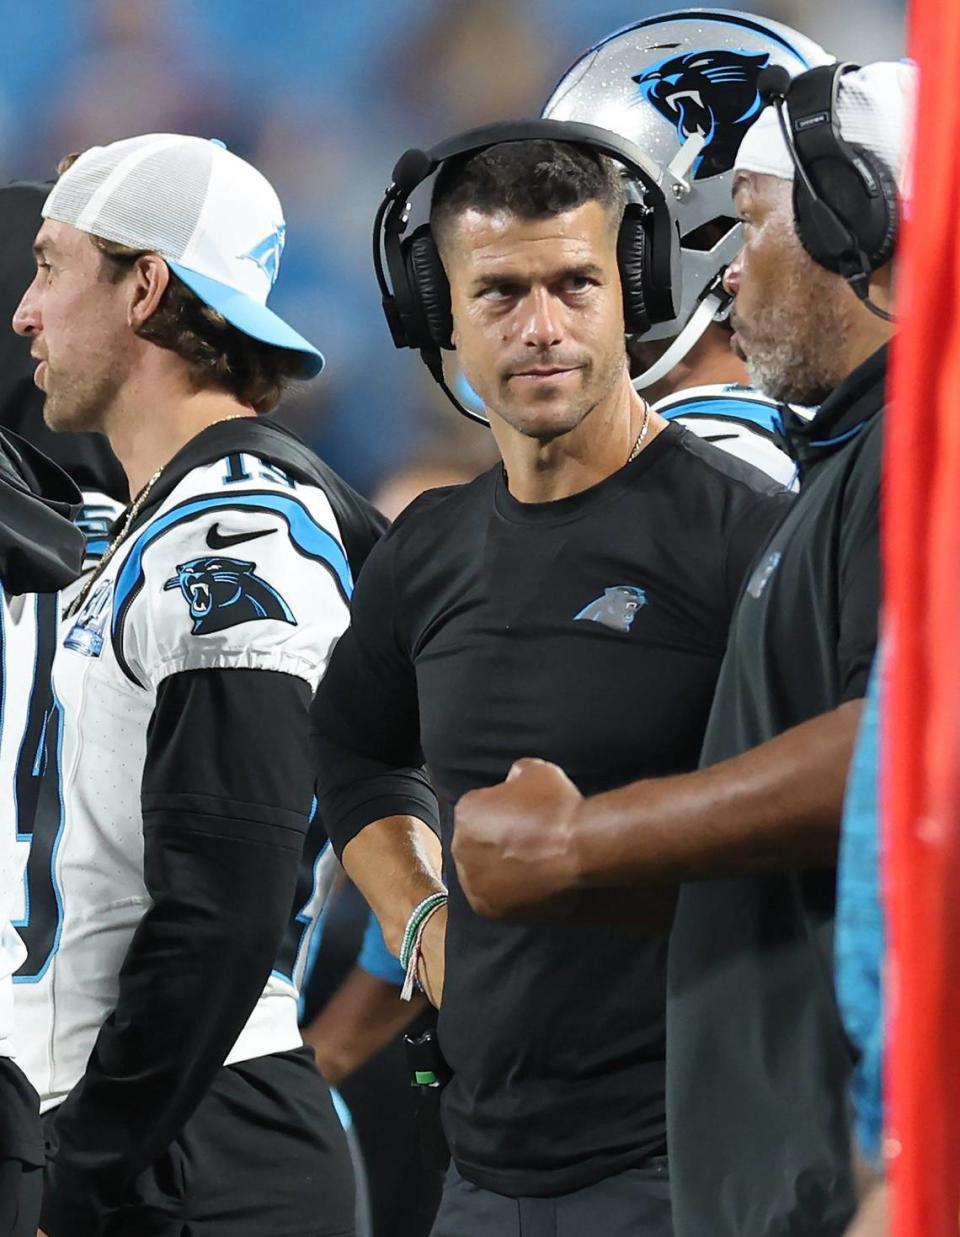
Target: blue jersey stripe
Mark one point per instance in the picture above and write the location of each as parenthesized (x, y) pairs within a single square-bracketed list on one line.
[(730, 408)]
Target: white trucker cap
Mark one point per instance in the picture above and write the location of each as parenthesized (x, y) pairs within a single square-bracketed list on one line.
[(214, 218)]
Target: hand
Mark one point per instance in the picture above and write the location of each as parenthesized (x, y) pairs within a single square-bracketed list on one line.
[(431, 970), (514, 844)]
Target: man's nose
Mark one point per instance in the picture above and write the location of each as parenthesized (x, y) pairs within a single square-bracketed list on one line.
[(543, 327), (731, 276), (26, 317)]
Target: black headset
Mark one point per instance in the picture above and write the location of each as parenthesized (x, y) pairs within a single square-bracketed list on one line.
[(416, 301), (844, 197)]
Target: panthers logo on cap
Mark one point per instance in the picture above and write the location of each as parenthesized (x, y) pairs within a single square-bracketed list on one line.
[(222, 592), (617, 608), (266, 254), (713, 93)]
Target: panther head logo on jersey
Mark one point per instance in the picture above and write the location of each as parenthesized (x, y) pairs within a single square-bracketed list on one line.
[(222, 592), (713, 93), (617, 608)]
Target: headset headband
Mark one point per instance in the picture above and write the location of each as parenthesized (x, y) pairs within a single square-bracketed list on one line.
[(400, 304), (602, 140)]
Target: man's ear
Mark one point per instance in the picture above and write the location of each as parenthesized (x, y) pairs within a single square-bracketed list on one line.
[(151, 276)]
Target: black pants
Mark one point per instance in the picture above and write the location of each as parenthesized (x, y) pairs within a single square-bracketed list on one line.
[(21, 1154), (264, 1155), (635, 1203)]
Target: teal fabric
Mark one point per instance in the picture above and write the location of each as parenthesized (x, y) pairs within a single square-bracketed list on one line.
[(861, 932), (376, 959)]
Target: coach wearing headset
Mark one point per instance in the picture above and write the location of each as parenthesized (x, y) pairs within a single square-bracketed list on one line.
[(574, 602), (757, 1059)]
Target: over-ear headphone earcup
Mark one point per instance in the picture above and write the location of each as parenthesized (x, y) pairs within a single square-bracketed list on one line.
[(879, 232), (633, 262), (856, 210), (430, 290)]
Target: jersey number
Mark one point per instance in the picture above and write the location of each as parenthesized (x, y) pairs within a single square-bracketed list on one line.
[(240, 468), (40, 806)]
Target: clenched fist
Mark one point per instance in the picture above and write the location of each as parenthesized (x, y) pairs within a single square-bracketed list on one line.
[(515, 844)]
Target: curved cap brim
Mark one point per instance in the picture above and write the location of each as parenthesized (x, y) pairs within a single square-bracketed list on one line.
[(250, 317)]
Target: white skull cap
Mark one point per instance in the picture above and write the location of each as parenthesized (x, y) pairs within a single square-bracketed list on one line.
[(874, 109)]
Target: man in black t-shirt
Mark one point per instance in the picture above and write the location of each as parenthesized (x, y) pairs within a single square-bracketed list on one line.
[(573, 602), (757, 1056)]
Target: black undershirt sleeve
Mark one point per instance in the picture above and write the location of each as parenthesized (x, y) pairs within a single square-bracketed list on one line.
[(226, 794), (365, 720)]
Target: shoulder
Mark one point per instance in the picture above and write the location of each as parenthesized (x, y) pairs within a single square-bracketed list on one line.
[(240, 499), (723, 472), (242, 565), (738, 421), (725, 401), (863, 476), (433, 514), (245, 453)]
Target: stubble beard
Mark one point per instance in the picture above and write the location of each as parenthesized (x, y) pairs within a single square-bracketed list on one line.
[(553, 421), (73, 405), (796, 354)]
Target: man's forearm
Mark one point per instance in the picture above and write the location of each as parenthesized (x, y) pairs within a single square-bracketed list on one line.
[(362, 1017), (778, 805), (395, 863), (193, 972)]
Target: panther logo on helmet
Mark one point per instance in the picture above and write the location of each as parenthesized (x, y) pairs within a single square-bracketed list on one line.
[(682, 86), (711, 93)]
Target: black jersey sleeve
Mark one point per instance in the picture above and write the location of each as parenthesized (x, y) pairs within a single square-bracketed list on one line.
[(365, 721), (748, 535), (226, 794), (859, 586)]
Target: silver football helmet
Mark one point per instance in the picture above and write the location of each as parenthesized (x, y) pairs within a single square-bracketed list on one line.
[(683, 87)]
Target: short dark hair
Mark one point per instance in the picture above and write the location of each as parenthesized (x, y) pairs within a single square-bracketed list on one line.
[(216, 352), (530, 179)]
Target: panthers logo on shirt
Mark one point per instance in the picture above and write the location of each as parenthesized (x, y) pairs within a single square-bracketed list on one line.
[(222, 592), (617, 608), (713, 93)]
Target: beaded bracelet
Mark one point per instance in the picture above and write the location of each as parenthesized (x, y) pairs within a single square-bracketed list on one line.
[(412, 938)]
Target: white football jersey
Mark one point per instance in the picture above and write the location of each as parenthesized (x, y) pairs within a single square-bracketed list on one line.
[(96, 519), (240, 566), (737, 419)]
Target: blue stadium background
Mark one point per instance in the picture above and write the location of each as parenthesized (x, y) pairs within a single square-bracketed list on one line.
[(323, 95)]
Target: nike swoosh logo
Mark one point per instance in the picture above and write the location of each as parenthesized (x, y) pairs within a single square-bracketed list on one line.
[(718, 437), (217, 540)]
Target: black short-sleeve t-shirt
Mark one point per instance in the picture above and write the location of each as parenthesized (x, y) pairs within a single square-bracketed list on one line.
[(589, 632)]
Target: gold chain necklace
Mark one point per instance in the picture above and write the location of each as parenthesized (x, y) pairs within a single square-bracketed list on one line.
[(132, 512), (643, 433)]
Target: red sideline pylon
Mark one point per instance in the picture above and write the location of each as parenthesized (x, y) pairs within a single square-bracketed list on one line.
[(921, 774)]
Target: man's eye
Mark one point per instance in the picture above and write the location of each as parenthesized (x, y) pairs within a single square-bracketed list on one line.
[(502, 291), (578, 283)]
